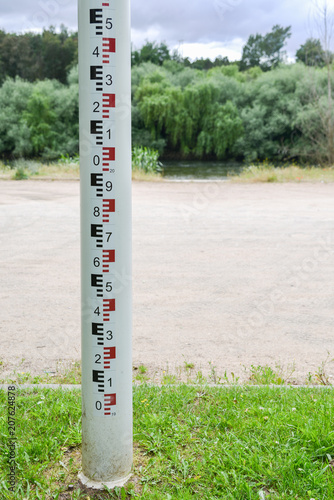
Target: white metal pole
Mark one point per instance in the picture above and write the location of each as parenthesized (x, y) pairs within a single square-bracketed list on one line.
[(105, 178)]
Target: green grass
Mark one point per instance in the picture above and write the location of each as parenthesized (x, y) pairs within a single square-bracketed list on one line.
[(64, 169), (65, 373), (69, 372), (189, 442), (267, 172)]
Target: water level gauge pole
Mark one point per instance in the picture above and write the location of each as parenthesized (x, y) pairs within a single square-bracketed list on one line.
[(105, 185)]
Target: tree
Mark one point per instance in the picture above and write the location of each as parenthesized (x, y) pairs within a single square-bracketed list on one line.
[(38, 56), (316, 122), (265, 51), (252, 52), (269, 107), (311, 53), (151, 52), (59, 54), (273, 44)]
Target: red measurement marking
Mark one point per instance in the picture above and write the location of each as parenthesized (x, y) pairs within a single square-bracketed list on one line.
[(108, 155), (108, 101), (109, 353), (108, 207), (109, 305), (108, 45), (105, 5), (108, 256), (109, 401)]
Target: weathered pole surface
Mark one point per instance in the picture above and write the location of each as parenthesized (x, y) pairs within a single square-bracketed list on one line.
[(105, 178)]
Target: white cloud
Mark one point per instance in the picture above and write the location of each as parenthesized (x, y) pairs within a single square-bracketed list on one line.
[(210, 28), (211, 50)]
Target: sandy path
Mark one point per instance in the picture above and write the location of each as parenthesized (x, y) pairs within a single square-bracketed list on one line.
[(223, 273)]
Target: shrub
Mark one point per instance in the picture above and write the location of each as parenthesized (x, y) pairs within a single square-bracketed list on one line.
[(146, 160)]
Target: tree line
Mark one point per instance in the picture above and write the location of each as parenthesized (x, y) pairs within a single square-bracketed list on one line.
[(47, 55), (255, 108), (51, 54)]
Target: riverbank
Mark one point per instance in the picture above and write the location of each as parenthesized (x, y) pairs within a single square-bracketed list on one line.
[(266, 172)]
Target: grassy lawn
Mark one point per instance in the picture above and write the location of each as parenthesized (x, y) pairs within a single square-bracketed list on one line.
[(238, 442)]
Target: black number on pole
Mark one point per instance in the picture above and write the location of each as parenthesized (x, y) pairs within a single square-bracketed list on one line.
[(109, 79), (96, 52), (109, 23), (109, 286), (96, 109), (109, 335), (96, 212), (97, 311), (96, 160), (97, 262), (98, 359), (109, 236), (109, 186), (98, 405)]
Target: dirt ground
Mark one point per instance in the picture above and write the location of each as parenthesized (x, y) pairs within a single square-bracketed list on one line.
[(229, 274)]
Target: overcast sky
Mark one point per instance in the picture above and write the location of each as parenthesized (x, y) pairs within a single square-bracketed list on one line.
[(198, 28)]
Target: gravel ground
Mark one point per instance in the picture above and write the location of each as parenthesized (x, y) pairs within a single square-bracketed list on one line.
[(229, 274)]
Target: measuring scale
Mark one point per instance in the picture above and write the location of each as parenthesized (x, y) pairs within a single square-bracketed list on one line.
[(105, 178)]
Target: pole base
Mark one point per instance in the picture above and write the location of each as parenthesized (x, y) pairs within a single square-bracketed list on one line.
[(99, 485)]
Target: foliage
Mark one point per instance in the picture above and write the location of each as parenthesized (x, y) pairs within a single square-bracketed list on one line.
[(180, 109), (265, 51), (311, 53), (151, 52), (14, 135), (196, 119), (146, 160), (34, 56), (38, 119)]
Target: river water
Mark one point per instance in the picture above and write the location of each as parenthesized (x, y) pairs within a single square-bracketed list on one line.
[(200, 170)]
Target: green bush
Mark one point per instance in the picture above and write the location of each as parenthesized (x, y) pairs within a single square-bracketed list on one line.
[(146, 160), (39, 119), (181, 111)]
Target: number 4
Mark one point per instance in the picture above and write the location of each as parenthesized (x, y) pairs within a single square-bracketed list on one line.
[(96, 52)]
